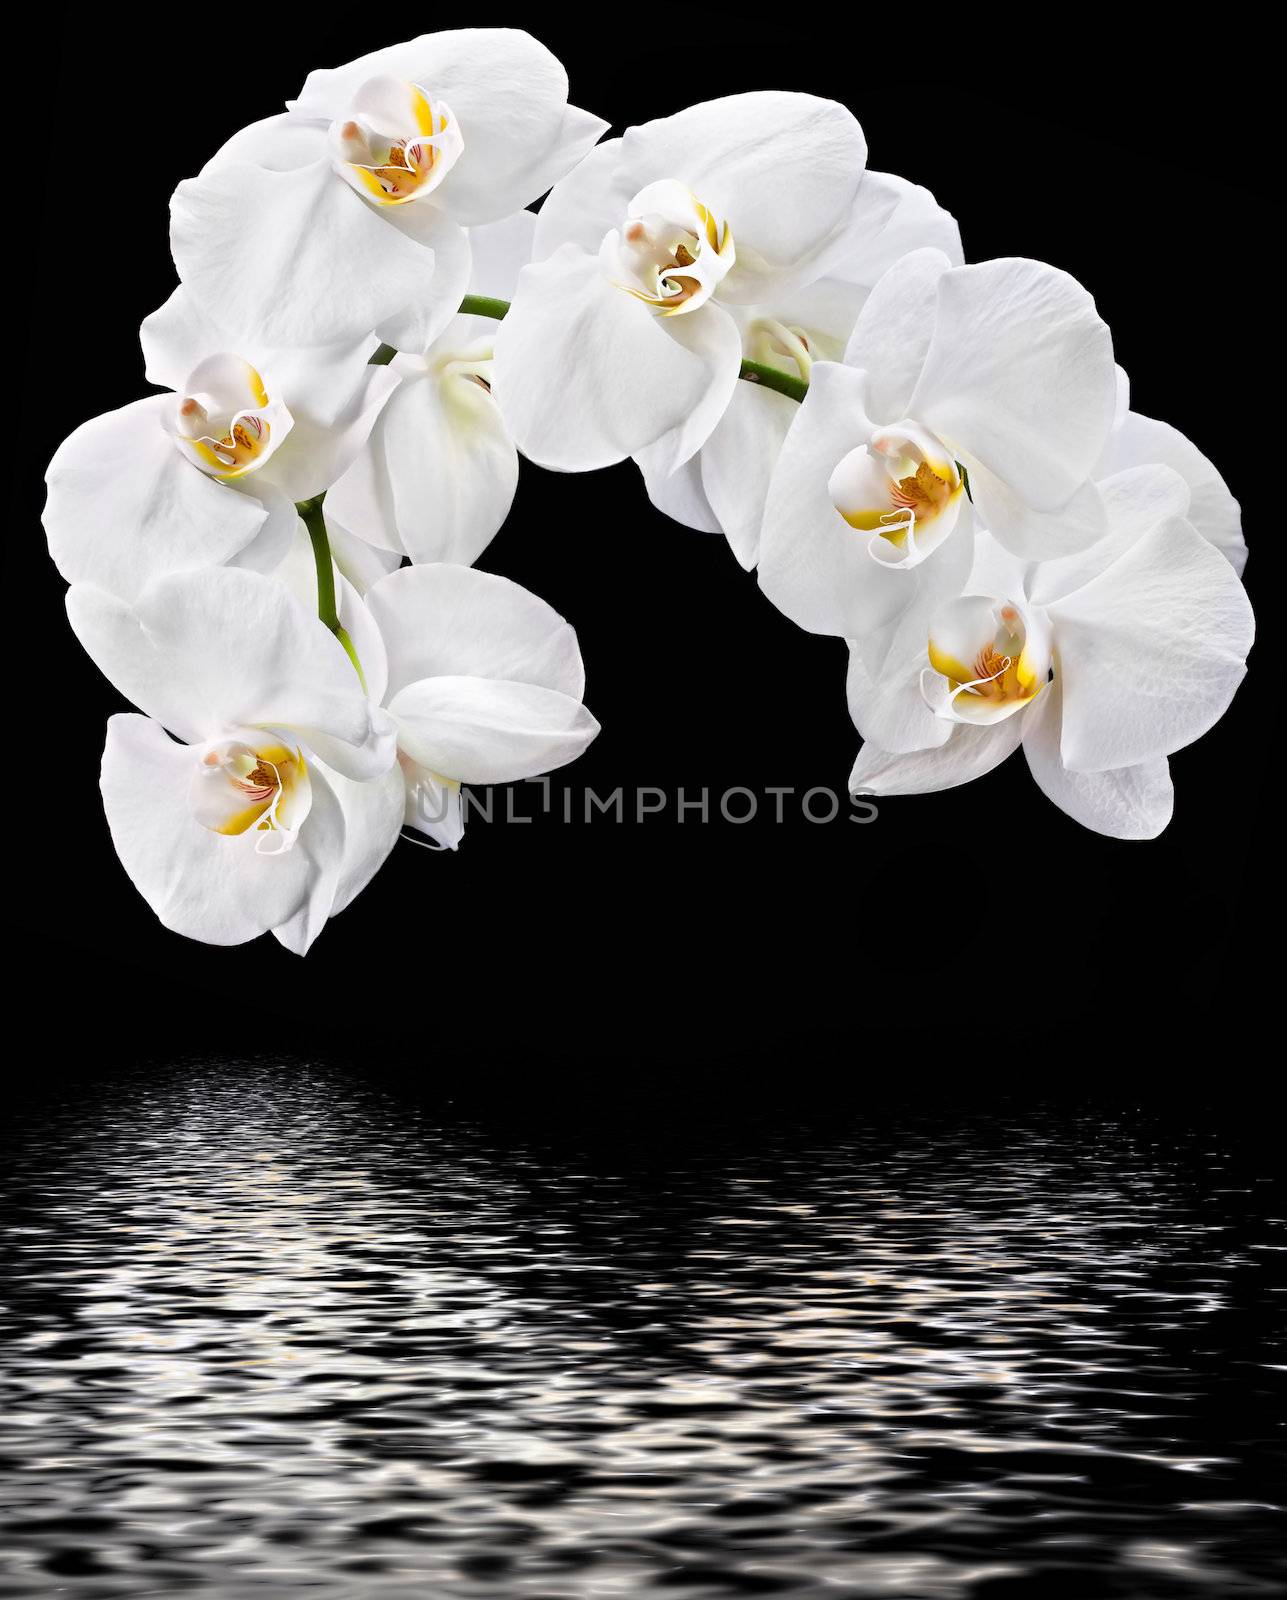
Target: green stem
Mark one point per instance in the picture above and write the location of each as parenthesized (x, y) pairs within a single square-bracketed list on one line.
[(482, 305), (310, 512), (772, 378)]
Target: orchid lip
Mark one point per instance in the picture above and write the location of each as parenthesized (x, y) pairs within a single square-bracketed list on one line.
[(988, 659), (250, 781), (396, 143), (671, 252), (226, 422), (905, 488)]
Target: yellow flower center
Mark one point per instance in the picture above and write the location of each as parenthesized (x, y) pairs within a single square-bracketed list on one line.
[(990, 659), (226, 422), (909, 500), (396, 144), (242, 787), (904, 486), (671, 252), (239, 448)]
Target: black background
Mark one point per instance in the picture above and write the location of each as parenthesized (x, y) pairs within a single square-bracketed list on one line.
[(965, 935)]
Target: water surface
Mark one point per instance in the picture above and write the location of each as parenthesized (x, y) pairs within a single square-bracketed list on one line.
[(272, 1329)]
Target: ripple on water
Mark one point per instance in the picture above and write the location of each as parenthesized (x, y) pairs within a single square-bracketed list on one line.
[(270, 1327)]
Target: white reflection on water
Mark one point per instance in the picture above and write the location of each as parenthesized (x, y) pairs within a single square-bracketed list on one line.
[(272, 1328)]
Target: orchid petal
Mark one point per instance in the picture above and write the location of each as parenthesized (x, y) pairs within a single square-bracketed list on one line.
[(713, 341), (282, 143), (888, 709), (586, 375), (584, 205), (457, 622), (1038, 535), (280, 528), (968, 754), (298, 571), (500, 251), (372, 816), (204, 651), (1213, 511), (316, 381), (440, 290), (1150, 651), (737, 463), (362, 564), (1019, 378), (892, 335), (1134, 500), (291, 258), (1132, 802), (482, 730), (679, 495), (125, 506), (437, 476), (891, 218), (316, 455)]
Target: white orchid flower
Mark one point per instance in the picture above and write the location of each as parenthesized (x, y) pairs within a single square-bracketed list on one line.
[(348, 212), (723, 487), (436, 478), (1002, 371), (482, 680), (620, 339), (283, 798), (1100, 665), (208, 473)]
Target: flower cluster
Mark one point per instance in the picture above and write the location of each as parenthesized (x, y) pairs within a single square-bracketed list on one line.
[(935, 461)]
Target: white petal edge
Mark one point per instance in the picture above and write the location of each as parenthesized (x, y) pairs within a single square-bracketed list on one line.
[(970, 753), (441, 620), (1132, 802), (483, 730), (1151, 651)]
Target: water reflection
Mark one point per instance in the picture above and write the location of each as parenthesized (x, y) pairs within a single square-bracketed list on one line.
[(272, 1328)]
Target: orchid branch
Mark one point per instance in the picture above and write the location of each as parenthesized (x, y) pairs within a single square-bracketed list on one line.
[(310, 512), (771, 378), (481, 305)]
